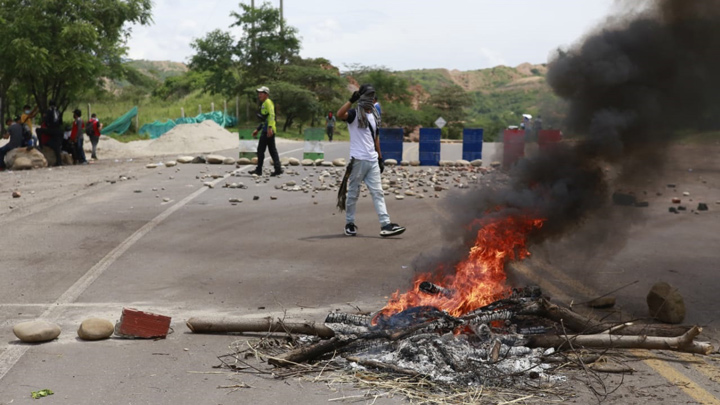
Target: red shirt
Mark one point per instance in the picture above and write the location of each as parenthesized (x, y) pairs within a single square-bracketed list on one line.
[(77, 127)]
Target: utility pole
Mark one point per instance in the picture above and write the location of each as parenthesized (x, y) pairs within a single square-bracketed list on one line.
[(281, 16)]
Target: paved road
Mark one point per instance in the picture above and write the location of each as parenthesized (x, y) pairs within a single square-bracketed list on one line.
[(111, 247)]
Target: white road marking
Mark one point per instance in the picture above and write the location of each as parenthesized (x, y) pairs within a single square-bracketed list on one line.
[(12, 354)]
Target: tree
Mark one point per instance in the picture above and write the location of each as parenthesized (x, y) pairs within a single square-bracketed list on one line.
[(60, 48), (267, 42), (450, 102), (216, 56)]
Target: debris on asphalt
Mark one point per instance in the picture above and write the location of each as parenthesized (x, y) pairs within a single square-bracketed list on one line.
[(702, 207), (95, 329), (139, 324), (665, 303), (37, 331), (41, 393)]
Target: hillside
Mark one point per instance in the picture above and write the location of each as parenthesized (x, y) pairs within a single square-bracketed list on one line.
[(498, 78), (158, 70)]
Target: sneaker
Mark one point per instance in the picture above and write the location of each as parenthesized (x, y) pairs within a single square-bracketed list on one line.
[(276, 173), (391, 230), (350, 229), (256, 171)]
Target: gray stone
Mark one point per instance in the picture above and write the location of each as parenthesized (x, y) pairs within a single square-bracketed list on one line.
[(16, 194), (327, 164), (36, 331), (307, 162), (215, 159), (151, 166), (462, 162), (236, 200), (185, 159), (399, 197), (229, 161), (95, 329), (339, 162), (170, 163), (495, 165), (476, 163), (243, 161), (319, 162), (199, 159), (404, 163), (294, 162), (666, 304), (391, 162)]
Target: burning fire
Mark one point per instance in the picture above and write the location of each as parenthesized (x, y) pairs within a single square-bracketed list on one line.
[(480, 278)]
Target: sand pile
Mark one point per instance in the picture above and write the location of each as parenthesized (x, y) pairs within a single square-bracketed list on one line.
[(183, 139)]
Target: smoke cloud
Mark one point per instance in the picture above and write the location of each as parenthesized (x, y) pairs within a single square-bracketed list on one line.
[(631, 87)]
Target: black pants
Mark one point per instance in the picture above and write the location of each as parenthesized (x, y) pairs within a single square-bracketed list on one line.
[(330, 132), (94, 141), (55, 142), (268, 143), (3, 151)]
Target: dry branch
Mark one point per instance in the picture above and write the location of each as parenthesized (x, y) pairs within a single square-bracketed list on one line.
[(583, 325), (682, 343), (306, 353), (235, 325)]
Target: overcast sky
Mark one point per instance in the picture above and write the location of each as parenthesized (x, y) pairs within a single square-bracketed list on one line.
[(398, 34)]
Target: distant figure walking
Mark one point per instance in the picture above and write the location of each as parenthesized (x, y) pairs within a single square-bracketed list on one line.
[(92, 129), (267, 129), (330, 125), (77, 136)]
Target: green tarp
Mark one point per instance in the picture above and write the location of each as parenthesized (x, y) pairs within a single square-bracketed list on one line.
[(122, 124), (158, 128)]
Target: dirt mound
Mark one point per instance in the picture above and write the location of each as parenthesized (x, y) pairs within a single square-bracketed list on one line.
[(183, 139)]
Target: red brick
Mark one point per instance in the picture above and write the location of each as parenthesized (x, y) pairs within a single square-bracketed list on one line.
[(134, 323)]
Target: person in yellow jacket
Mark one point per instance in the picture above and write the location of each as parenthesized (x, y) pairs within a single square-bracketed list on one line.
[(267, 129)]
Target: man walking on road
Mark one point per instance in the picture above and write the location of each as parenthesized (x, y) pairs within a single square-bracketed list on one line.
[(267, 129), (330, 125), (366, 163)]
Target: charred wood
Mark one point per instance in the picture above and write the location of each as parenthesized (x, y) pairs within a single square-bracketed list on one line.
[(239, 325), (350, 319), (382, 366)]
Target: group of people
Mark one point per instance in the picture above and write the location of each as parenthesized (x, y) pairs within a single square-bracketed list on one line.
[(366, 162), (52, 134)]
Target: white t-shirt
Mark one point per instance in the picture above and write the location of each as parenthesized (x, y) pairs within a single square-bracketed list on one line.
[(362, 142)]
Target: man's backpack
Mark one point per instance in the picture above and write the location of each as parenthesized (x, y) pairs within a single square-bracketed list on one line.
[(90, 128)]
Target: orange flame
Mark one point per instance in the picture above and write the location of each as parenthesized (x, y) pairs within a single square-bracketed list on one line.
[(480, 278)]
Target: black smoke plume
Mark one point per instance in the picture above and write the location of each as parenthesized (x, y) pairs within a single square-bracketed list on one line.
[(631, 88)]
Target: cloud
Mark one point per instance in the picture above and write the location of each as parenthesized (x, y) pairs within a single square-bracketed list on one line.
[(399, 34)]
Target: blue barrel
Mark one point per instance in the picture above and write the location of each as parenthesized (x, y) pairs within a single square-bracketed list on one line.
[(430, 146), (472, 144), (391, 143)]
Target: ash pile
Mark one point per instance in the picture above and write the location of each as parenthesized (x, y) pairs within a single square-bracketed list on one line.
[(486, 347)]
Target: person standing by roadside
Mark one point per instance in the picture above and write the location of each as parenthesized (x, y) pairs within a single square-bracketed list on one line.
[(267, 129), (377, 106), (52, 121), (77, 136), (26, 118), (92, 129), (330, 125), (366, 163)]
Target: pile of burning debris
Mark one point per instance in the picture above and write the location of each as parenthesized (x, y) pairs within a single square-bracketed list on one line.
[(516, 343)]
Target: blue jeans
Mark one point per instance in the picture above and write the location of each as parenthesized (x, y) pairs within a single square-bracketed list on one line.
[(369, 172)]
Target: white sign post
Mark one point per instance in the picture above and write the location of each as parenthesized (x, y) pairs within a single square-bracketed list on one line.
[(440, 123)]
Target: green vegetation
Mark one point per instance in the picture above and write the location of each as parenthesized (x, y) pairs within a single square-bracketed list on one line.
[(228, 69), (56, 50)]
